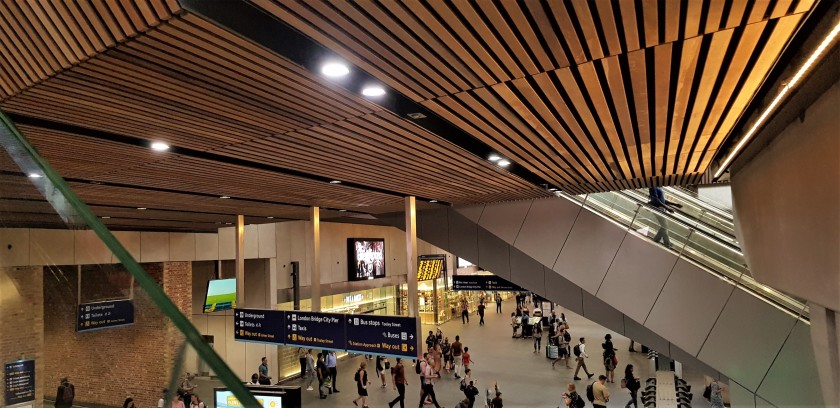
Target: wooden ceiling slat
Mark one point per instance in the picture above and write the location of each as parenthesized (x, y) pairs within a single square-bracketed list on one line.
[(495, 47), (759, 9), (692, 18), (416, 64), (593, 87), (532, 39), (638, 79), (494, 16), (546, 30), (736, 14), (564, 21), (57, 32), (116, 28), (662, 73), (713, 16), (71, 16), (781, 8), (100, 24), (803, 6), (121, 17), (772, 47), (615, 78), (17, 73), (593, 40), (607, 18), (672, 20), (650, 11), (13, 40), (688, 66), (628, 19), (714, 60)]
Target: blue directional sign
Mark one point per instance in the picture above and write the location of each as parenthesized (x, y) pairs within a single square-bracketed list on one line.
[(19, 381), (390, 335), (482, 283), (262, 326), (105, 315), (316, 330)]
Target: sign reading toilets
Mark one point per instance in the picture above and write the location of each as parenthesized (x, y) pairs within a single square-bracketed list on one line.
[(387, 335), (262, 326), (105, 315), (316, 330)]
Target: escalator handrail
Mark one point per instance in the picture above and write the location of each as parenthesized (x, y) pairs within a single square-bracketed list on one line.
[(690, 195)]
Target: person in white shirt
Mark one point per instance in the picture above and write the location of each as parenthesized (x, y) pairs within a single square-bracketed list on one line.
[(580, 359), (428, 383)]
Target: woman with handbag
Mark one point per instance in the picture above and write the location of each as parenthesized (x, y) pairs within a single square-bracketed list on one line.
[(631, 382)]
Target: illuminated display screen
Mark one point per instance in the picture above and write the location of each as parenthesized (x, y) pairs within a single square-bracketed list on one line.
[(430, 266)]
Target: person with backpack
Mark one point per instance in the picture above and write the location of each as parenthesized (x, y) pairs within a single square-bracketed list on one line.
[(572, 399), (66, 393), (631, 382), (597, 393), (427, 379), (562, 347), (610, 361), (361, 379), (470, 391), (537, 337), (580, 355)]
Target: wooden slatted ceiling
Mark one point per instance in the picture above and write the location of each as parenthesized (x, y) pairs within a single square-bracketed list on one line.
[(592, 95), (41, 38), (194, 85)]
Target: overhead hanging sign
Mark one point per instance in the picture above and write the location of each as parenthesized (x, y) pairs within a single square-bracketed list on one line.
[(316, 330), (105, 315), (388, 335), (19, 382), (262, 326), (430, 266), (483, 283)]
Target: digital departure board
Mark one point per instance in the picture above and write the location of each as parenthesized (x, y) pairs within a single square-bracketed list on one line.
[(429, 267)]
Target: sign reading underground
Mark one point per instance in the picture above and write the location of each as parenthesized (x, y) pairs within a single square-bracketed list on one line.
[(317, 330), (389, 335), (262, 326), (104, 315)]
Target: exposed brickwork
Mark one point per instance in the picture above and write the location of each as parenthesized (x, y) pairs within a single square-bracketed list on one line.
[(22, 322), (108, 365)]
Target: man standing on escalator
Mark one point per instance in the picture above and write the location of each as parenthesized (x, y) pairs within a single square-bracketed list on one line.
[(659, 203)]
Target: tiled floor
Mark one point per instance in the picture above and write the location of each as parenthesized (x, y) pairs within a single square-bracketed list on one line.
[(525, 378)]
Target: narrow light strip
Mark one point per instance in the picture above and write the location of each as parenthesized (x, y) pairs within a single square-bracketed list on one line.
[(784, 91)]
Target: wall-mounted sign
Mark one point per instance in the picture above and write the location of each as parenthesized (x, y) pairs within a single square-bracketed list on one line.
[(263, 326), (316, 330), (430, 266), (104, 315), (354, 298), (19, 381), (389, 335), (483, 283)]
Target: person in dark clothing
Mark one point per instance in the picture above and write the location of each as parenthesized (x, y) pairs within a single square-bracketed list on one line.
[(65, 394), (323, 373), (498, 303), (658, 202), (470, 391), (428, 377), (398, 376), (632, 384), (481, 314)]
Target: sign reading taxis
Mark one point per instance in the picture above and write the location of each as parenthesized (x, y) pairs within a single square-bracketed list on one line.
[(316, 330)]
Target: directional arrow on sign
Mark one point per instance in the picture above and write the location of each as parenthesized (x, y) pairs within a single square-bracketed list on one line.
[(411, 336)]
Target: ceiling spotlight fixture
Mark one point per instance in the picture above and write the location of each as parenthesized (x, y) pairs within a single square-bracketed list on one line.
[(141, 208), (787, 88), (34, 175), (373, 91), (224, 197), (494, 158), (160, 146), (335, 182), (342, 210), (270, 218), (416, 115), (228, 223), (335, 69), (105, 217), (504, 162), (552, 189), (433, 201)]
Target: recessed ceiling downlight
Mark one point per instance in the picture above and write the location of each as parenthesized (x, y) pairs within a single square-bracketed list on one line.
[(504, 162), (373, 91), (159, 146), (335, 69)]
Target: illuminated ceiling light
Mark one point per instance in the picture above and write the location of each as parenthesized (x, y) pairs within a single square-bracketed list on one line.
[(105, 217), (342, 210), (224, 197), (373, 91), (141, 208), (494, 158), (335, 69), (784, 91), (160, 146), (228, 223), (433, 201), (270, 218), (504, 162), (552, 189), (34, 175), (335, 182)]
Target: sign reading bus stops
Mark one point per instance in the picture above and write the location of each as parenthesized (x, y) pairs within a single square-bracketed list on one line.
[(105, 315), (316, 330), (262, 326), (482, 283), (390, 335)]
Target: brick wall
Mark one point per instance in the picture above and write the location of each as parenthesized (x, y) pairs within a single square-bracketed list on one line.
[(22, 322), (108, 365)]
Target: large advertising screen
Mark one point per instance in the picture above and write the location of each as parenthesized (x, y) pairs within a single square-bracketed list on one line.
[(221, 295), (226, 399), (365, 258)]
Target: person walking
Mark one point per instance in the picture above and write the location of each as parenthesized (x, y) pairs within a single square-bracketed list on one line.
[(600, 392), (65, 394), (716, 398), (323, 373), (330, 361), (465, 312), (481, 314), (571, 398), (470, 391), (188, 387), (431, 340), (609, 357), (302, 359), (467, 359), (562, 348), (428, 384), (446, 350), (362, 382), (580, 356), (660, 204), (398, 378), (498, 303), (196, 402), (310, 369), (457, 355), (631, 382), (537, 337), (265, 379)]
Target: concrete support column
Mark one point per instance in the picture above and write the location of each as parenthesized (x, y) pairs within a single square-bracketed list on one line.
[(411, 266), (315, 260), (240, 260), (825, 338)]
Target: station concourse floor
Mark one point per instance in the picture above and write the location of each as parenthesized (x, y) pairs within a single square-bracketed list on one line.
[(525, 378)]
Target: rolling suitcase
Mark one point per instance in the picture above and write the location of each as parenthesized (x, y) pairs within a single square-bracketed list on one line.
[(551, 351)]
